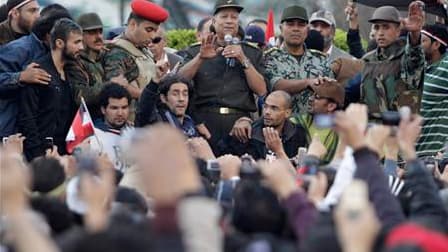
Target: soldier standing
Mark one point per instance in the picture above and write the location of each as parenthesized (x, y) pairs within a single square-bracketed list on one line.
[(226, 73), (393, 73), (129, 56), (294, 68)]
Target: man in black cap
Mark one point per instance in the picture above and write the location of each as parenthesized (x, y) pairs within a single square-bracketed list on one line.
[(226, 73), (21, 16), (293, 67), (86, 74)]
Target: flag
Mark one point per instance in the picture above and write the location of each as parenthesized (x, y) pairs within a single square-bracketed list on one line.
[(270, 33), (81, 128)]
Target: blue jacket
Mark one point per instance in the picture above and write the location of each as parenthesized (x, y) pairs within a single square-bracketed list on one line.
[(14, 58)]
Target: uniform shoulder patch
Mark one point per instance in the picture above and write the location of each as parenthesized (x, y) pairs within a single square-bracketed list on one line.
[(249, 45), (318, 53), (271, 50)]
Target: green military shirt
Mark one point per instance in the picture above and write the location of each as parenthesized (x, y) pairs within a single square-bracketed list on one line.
[(86, 78), (280, 64), (392, 78), (7, 34), (118, 61)]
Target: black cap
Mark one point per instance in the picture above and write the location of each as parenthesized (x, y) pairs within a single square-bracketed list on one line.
[(221, 4), (294, 12)]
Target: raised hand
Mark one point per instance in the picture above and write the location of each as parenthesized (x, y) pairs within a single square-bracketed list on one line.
[(208, 47), (416, 17)]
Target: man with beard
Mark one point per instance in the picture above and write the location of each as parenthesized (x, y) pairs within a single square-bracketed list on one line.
[(21, 17), (86, 74), (114, 101), (323, 21), (173, 92), (273, 133), (434, 108), (47, 110), (294, 68)]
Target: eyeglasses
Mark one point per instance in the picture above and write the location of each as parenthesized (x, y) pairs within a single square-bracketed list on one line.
[(318, 97), (156, 40)]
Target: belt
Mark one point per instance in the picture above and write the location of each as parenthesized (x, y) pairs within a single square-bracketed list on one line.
[(222, 110)]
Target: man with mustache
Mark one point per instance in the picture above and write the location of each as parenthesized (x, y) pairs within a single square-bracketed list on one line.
[(47, 110), (86, 74), (292, 67)]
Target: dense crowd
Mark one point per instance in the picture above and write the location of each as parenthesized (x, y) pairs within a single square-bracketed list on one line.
[(243, 141)]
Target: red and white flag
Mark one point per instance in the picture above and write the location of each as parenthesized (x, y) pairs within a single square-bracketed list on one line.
[(81, 128), (270, 32)]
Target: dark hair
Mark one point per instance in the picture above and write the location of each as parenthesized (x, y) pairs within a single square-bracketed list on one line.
[(45, 23), (166, 83), (132, 199), (48, 173), (62, 30), (112, 90), (257, 209), (47, 10), (439, 31), (258, 20), (3, 12), (201, 23), (56, 213)]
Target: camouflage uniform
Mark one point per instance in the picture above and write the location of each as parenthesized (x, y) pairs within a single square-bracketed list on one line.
[(280, 65), (392, 78), (86, 78)]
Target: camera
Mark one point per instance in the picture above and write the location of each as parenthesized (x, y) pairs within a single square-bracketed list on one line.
[(324, 121), (248, 169), (48, 143)]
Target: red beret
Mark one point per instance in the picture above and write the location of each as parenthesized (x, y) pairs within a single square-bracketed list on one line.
[(149, 11)]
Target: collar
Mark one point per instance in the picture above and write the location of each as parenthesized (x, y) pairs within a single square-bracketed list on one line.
[(102, 125), (330, 50), (288, 130), (91, 56), (389, 52)]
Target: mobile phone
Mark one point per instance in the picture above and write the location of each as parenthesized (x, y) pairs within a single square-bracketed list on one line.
[(49, 143), (324, 121)]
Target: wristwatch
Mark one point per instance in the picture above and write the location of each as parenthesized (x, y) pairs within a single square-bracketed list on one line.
[(246, 63)]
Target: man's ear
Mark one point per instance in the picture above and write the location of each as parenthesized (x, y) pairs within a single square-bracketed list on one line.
[(103, 110), (288, 113), (163, 98), (59, 43), (331, 106), (435, 45)]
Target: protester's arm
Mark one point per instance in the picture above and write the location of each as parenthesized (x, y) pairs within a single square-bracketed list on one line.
[(254, 72), (301, 211), (353, 37), (146, 110), (14, 181)]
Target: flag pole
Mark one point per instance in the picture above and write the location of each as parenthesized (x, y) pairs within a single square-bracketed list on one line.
[(83, 102)]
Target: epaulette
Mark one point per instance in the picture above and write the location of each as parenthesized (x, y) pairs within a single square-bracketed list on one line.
[(314, 51), (271, 50), (195, 44), (253, 45)]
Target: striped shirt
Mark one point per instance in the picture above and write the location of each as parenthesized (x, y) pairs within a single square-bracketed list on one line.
[(434, 109)]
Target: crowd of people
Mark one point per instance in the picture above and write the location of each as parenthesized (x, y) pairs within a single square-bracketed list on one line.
[(115, 142)]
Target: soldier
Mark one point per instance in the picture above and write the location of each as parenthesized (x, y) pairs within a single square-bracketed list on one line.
[(226, 74), (21, 16), (392, 74), (86, 74), (294, 68), (129, 56)]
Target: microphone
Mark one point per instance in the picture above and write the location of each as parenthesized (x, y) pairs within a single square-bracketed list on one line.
[(228, 39), (235, 41)]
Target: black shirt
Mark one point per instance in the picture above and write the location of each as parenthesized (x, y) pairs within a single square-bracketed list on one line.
[(218, 85), (45, 111)]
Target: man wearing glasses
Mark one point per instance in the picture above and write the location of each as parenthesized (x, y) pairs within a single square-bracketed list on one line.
[(161, 53)]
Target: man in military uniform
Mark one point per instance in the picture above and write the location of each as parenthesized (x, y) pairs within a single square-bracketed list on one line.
[(226, 75), (21, 16), (86, 74), (129, 56), (392, 74), (294, 68)]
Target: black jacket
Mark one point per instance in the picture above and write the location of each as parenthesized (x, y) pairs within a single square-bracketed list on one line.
[(293, 137), (45, 111)]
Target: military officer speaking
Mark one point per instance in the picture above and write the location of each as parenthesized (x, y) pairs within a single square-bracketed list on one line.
[(226, 73)]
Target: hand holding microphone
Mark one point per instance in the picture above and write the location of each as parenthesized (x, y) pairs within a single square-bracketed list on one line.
[(232, 50)]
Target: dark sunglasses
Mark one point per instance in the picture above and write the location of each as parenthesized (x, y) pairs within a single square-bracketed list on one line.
[(156, 40)]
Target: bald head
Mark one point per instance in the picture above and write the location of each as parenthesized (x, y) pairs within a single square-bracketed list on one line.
[(285, 98)]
